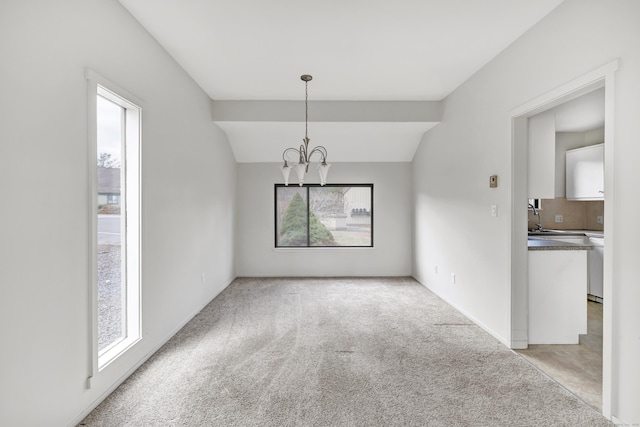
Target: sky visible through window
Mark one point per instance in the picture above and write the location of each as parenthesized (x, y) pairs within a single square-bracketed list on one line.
[(109, 129)]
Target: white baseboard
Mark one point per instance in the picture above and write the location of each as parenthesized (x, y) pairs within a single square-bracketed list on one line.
[(519, 344), (465, 314), (619, 423)]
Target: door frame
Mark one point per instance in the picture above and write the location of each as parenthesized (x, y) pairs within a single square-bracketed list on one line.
[(601, 77)]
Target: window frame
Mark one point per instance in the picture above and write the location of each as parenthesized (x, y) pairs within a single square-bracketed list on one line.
[(308, 200), (131, 219), (537, 203)]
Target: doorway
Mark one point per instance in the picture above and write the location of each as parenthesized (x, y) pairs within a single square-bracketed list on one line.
[(600, 78)]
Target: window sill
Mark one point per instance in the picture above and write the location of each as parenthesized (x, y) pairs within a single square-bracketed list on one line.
[(116, 351), (324, 248), (120, 356)]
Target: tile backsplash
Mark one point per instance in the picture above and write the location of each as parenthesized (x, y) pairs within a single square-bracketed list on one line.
[(577, 215)]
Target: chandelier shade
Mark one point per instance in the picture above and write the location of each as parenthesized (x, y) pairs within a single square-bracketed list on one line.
[(286, 170), (301, 169), (302, 154), (323, 170)]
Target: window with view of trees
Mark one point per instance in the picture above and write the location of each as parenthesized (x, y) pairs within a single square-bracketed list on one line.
[(324, 216)]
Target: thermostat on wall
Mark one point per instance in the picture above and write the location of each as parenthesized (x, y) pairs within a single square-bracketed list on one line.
[(493, 181)]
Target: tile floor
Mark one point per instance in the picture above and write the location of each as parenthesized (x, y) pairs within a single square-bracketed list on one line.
[(577, 367)]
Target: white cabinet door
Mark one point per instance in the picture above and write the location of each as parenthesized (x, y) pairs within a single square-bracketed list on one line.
[(557, 301), (585, 173)]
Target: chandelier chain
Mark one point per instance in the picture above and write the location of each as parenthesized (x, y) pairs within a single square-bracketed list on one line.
[(306, 109)]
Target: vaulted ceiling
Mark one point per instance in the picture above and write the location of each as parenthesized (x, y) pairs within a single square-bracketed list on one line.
[(370, 51)]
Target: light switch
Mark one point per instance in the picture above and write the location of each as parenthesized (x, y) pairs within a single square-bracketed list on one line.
[(599, 219), (559, 218), (494, 210)]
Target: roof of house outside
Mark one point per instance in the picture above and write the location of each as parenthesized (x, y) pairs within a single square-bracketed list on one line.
[(108, 180)]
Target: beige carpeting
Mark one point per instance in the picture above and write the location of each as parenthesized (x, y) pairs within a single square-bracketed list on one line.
[(337, 352)]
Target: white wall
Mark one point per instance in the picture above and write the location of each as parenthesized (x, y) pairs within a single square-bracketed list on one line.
[(390, 256), (188, 190), (453, 225)]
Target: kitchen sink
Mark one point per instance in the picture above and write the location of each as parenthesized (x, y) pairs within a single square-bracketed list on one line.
[(534, 233), (544, 232)]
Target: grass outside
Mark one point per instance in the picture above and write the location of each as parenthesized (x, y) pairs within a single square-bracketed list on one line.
[(353, 236)]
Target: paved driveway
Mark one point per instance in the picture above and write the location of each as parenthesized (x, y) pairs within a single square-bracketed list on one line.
[(109, 229)]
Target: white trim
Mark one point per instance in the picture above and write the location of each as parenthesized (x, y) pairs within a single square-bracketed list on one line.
[(304, 249), (518, 269), (602, 76), (609, 225), (619, 423), (92, 180), (571, 90), (120, 92)]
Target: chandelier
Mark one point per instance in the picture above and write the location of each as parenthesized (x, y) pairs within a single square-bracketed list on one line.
[(303, 154)]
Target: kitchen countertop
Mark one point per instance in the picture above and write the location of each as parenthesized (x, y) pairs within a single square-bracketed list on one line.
[(542, 244), (590, 233)]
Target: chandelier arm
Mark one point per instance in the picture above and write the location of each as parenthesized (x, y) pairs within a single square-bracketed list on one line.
[(319, 149), (284, 153)]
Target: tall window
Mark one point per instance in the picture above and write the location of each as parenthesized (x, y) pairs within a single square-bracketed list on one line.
[(324, 216), (118, 224)]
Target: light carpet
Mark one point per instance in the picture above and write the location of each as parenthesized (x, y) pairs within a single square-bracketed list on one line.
[(337, 352)]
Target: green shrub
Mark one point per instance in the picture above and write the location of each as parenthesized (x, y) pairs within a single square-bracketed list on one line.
[(293, 228)]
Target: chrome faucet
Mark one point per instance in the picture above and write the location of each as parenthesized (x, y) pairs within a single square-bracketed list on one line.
[(536, 212)]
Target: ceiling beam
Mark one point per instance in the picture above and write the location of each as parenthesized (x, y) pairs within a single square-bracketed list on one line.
[(327, 111)]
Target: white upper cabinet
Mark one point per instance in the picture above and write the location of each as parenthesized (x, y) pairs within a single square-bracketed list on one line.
[(542, 156), (585, 173)]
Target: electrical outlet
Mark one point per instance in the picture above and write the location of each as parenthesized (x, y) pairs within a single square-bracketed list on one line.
[(599, 219), (453, 278), (559, 218), (494, 210)]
